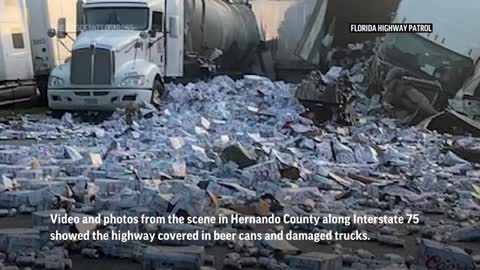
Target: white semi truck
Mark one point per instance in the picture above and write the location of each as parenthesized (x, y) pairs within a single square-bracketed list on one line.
[(26, 54), (127, 49)]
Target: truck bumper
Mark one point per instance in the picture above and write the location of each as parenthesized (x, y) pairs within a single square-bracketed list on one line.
[(96, 99)]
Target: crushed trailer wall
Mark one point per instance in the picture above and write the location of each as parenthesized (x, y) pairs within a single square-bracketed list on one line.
[(353, 11), (282, 23), (286, 24)]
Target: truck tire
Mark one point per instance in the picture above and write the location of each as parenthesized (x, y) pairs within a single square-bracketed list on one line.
[(42, 85), (158, 92), (56, 114)]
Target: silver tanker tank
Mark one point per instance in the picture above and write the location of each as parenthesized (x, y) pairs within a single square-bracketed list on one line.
[(227, 25)]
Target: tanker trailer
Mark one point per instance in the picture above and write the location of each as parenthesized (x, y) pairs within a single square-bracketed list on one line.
[(228, 26)]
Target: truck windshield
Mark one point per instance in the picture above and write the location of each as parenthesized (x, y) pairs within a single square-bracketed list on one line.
[(116, 18), (419, 55)]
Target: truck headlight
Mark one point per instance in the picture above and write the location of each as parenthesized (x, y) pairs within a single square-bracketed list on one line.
[(133, 81), (54, 81)]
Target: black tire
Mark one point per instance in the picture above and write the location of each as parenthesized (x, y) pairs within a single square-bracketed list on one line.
[(57, 114), (42, 85), (158, 92)]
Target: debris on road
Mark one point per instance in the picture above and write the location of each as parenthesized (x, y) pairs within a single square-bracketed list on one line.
[(315, 260), (433, 254), (247, 147)]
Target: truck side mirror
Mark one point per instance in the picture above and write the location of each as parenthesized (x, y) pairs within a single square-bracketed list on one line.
[(173, 26), (62, 28), (144, 35), (157, 23), (51, 33)]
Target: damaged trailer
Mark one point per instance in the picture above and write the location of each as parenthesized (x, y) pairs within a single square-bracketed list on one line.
[(294, 30), (328, 26), (467, 100)]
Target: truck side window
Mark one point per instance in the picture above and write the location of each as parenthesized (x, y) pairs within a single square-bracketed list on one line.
[(18, 42), (157, 21)]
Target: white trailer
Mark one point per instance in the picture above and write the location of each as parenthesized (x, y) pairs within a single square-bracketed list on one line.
[(27, 55), (16, 68)]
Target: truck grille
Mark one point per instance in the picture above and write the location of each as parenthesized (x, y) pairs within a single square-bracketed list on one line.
[(84, 72)]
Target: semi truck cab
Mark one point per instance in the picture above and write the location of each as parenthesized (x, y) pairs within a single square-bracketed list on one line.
[(124, 51)]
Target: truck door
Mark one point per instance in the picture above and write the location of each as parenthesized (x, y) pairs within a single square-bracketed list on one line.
[(41, 45), (174, 22), (157, 47)]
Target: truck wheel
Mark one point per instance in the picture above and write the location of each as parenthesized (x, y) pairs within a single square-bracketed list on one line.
[(158, 92), (42, 85), (57, 114)]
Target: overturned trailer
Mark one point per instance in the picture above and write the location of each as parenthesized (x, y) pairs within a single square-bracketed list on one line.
[(467, 100), (447, 56), (296, 30)]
